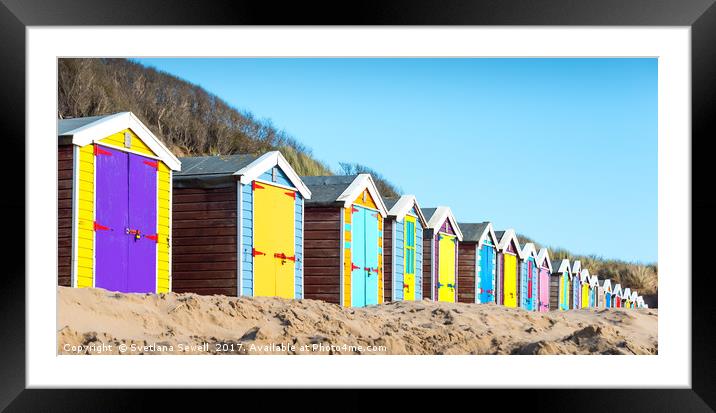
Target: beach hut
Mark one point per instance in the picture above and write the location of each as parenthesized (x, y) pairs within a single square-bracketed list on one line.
[(640, 302), (440, 254), (584, 280), (633, 298), (606, 290), (544, 264), (560, 286), (114, 205), (343, 231), (509, 255), (238, 223), (617, 296), (576, 284), (403, 249), (626, 298), (477, 263), (593, 291), (528, 277)]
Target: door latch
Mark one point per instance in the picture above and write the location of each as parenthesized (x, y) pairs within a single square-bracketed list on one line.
[(137, 234)]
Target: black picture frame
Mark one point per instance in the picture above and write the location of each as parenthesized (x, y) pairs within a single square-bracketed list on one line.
[(16, 15)]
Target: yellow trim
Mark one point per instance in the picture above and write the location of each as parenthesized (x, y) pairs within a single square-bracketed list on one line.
[(163, 216), (85, 218)]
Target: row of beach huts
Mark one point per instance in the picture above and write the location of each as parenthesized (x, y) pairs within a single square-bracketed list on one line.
[(132, 217)]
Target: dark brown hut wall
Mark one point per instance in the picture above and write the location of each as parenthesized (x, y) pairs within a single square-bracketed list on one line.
[(554, 281), (427, 263), (322, 253), (466, 261), (64, 214), (204, 246)]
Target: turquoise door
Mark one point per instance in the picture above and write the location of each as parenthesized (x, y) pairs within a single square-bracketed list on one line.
[(487, 262), (371, 257), (358, 273)]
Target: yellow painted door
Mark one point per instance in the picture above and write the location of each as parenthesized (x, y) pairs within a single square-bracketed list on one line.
[(409, 252), (274, 251), (446, 270), (585, 296), (510, 281)]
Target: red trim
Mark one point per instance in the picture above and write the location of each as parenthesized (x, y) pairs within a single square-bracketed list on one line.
[(255, 252), (291, 194), (98, 227), (354, 267), (254, 185), (100, 151), (354, 209), (154, 165), (154, 237)]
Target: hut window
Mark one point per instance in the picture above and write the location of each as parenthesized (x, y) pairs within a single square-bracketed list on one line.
[(273, 174), (127, 140)]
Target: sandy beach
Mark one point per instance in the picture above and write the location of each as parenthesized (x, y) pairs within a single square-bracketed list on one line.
[(95, 321)]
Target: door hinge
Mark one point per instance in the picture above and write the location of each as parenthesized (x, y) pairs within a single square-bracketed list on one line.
[(154, 165), (98, 227), (255, 252), (100, 151), (154, 237), (291, 194), (254, 185)]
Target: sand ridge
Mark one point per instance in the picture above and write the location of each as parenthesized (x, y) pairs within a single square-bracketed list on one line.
[(96, 321)]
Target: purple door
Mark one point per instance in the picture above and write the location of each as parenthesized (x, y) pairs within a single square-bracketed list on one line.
[(126, 221), (111, 200), (141, 276)]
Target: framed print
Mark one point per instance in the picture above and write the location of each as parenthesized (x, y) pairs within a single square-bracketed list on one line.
[(479, 196)]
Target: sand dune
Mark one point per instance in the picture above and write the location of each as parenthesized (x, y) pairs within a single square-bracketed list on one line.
[(95, 321)]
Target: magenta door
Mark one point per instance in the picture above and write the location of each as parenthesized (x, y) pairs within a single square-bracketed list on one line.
[(126, 221), (544, 289)]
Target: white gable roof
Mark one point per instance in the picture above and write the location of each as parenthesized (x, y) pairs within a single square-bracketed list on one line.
[(268, 161), (544, 256), (108, 125), (584, 276), (439, 216), (529, 250), (576, 267), (607, 285), (626, 293), (594, 281), (404, 204), (617, 290), (361, 183), (507, 237), (563, 267)]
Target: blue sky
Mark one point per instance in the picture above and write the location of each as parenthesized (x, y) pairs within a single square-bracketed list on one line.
[(562, 150)]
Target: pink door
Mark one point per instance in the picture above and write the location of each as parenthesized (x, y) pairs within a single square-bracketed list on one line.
[(544, 289)]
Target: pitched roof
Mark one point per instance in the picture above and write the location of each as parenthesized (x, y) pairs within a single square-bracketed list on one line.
[(65, 127), (213, 165), (505, 238), (399, 207), (562, 267), (607, 284), (584, 275), (436, 217), (246, 167), (543, 256), (342, 190), (576, 267), (478, 232), (529, 250), (84, 131)]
